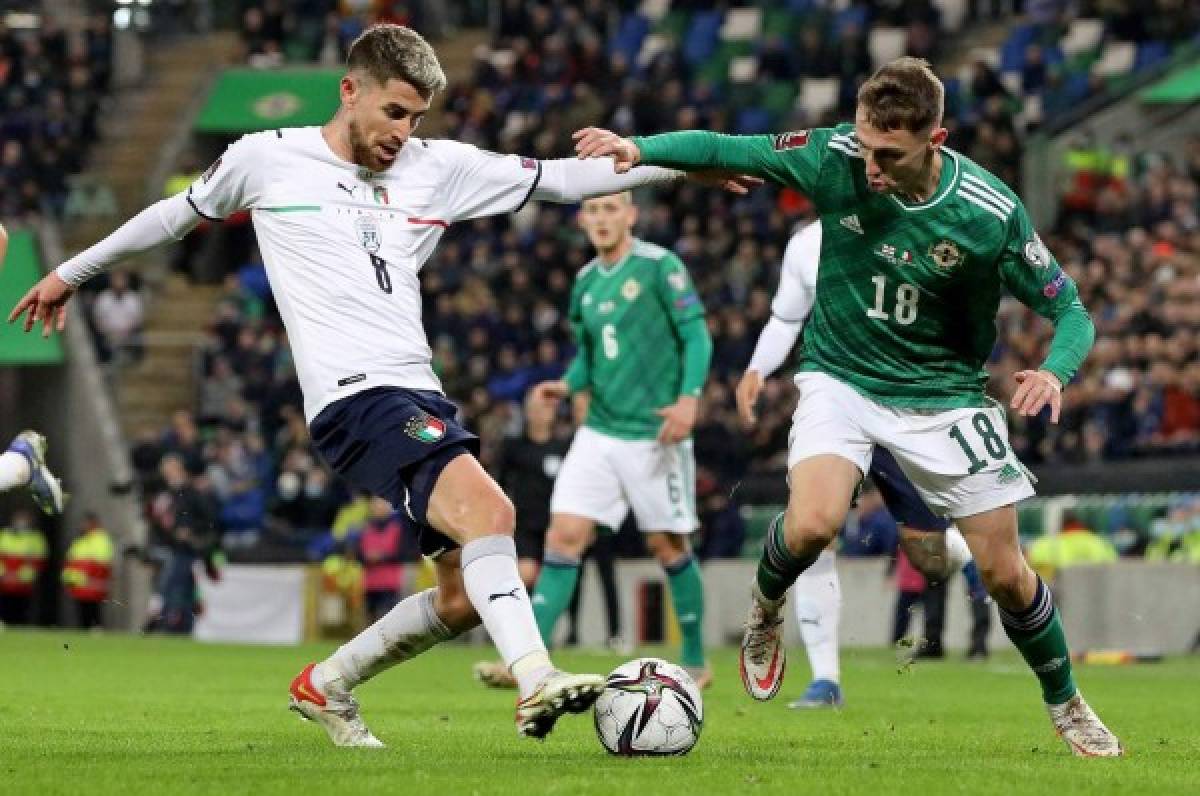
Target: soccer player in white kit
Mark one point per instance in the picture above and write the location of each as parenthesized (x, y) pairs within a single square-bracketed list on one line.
[(346, 215), (933, 544), (24, 463)]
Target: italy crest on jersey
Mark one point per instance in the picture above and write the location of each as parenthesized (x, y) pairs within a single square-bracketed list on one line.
[(368, 233), (946, 254), (631, 289), (425, 428)]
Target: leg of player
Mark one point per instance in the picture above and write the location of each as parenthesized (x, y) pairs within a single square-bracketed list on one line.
[(817, 600), (1032, 622), (321, 692), (24, 464), (566, 540), (674, 552), (822, 487), (470, 508)]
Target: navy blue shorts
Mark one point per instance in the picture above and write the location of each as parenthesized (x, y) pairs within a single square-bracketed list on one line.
[(394, 443), (900, 496)]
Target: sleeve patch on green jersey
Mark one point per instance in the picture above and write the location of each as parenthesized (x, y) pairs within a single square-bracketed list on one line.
[(1036, 253), (793, 140), (677, 280)]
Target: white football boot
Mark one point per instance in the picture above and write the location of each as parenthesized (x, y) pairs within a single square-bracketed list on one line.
[(494, 674), (334, 708), (762, 658), (558, 694), (1079, 726)]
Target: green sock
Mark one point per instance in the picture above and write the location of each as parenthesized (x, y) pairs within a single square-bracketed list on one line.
[(687, 594), (553, 592), (778, 567), (1038, 633)]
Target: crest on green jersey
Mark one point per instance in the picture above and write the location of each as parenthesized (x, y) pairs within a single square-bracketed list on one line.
[(946, 254), (631, 289), (1035, 252)]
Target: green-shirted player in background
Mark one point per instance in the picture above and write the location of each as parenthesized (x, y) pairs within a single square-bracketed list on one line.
[(643, 357), (919, 245)]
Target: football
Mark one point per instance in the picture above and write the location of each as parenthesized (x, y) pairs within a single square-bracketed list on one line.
[(649, 707)]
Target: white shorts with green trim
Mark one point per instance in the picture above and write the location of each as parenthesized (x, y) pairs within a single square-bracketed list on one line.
[(959, 460), (603, 477)]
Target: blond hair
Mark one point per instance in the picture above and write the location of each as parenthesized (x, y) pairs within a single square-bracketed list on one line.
[(903, 95)]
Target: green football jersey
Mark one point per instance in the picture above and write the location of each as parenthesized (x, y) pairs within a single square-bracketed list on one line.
[(630, 321), (907, 293)]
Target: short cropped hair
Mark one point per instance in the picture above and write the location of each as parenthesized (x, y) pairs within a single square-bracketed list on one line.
[(903, 95), (388, 51)]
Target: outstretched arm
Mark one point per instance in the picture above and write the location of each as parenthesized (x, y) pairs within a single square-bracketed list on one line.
[(569, 180), (166, 220), (792, 159)]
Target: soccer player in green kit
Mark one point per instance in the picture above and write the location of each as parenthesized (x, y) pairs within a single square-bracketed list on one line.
[(919, 245), (643, 358)]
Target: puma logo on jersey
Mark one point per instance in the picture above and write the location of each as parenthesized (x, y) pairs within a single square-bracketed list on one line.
[(851, 223), (511, 593), (347, 190)]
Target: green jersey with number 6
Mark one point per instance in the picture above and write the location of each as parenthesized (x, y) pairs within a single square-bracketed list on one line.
[(642, 338), (907, 293)]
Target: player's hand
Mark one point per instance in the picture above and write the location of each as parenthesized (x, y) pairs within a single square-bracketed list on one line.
[(550, 392), (747, 393), (678, 420), (726, 180), (596, 142), (46, 302), (1038, 389)]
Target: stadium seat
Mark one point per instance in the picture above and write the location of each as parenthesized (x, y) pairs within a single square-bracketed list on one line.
[(654, 9), (742, 24), (819, 95), (779, 98), (700, 41), (1084, 34), (631, 32), (743, 69), (954, 14), (1150, 53), (779, 21), (652, 45), (886, 44), (1116, 59), (753, 120)]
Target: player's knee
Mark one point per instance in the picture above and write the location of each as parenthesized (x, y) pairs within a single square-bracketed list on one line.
[(667, 548), (1004, 577), (565, 540), (810, 527)]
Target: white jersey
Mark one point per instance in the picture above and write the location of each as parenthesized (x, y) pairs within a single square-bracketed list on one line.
[(342, 245), (797, 289)]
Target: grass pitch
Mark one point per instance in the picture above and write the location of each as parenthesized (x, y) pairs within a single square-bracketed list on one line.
[(117, 714)]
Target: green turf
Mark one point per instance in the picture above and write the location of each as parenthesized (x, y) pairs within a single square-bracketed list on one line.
[(92, 714)]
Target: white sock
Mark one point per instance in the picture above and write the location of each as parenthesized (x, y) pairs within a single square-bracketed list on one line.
[(957, 552), (404, 632), (818, 598), (14, 470), (494, 586)]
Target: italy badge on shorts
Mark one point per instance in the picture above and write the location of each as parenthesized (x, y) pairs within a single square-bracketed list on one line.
[(425, 428)]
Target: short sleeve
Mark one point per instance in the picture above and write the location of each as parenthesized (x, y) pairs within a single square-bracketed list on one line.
[(231, 183), (482, 183), (677, 291), (1030, 271), (798, 277)]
